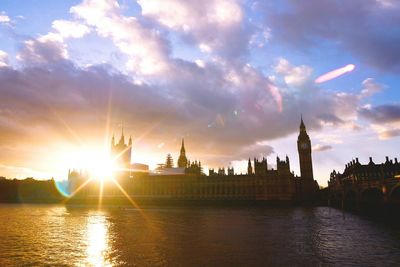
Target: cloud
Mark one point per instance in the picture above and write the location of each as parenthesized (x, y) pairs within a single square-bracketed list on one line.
[(381, 114), (43, 50), (3, 59), (51, 47), (227, 109), (320, 148), (327, 118), (384, 119), (4, 18), (223, 119), (70, 29), (389, 3), (147, 49), (293, 75), (257, 150), (324, 23), (390, 133), (370, 87), (215, 26)]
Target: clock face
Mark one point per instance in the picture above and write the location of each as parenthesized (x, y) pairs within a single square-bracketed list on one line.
[(304, 145)]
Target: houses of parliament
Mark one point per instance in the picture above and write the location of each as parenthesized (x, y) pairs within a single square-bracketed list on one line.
[(187, 180)]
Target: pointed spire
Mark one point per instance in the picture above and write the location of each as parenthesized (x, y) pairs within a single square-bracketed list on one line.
[(122, 139), (249, 168), (302, 126), (112, 140), (183, 146), (182, 160)]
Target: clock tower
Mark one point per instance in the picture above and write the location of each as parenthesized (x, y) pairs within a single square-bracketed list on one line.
[(304, 148)]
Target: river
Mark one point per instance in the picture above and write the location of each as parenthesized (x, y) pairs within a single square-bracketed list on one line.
[(40, 235)]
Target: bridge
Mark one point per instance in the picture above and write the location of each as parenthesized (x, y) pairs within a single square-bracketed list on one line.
[(370, 185)]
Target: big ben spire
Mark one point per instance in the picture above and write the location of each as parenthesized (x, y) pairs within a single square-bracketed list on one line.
[(302, 126), (304, 149)]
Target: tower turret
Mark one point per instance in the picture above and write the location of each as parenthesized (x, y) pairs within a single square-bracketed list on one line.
[(249, 168), (112, 141), (182, 160), (122, 139), (121, 151)]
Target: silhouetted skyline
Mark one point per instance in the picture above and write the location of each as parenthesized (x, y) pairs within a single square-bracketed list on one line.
[(232, 77)]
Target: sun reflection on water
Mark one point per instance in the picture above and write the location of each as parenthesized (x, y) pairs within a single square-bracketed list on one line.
[(97, 240)]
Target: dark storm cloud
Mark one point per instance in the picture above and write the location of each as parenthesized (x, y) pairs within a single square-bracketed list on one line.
[(369, 29), (381, 114)]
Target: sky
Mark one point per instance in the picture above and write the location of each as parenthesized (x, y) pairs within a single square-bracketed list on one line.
[(232, 77)]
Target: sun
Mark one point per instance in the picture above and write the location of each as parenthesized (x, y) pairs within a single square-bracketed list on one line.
[(97, 163), (100, 167)]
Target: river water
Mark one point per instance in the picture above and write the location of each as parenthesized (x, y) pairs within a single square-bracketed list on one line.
[(45, 235)]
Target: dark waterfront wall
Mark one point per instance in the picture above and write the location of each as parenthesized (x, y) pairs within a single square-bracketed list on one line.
[(29, 191), (270, 186), (174, 189)]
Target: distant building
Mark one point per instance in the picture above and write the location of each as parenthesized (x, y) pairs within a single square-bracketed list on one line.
[(368, 184), (122, 152), (139, 167), (188, 181), (355, 172), (168, 171)]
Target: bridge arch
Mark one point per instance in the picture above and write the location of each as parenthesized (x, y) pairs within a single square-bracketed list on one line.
[(372, 196)]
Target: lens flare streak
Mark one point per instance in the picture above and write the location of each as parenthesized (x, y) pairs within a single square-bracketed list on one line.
[(335, 73), (101, 190), (79, 188), (134, 204), (276, 95), (126, 194)]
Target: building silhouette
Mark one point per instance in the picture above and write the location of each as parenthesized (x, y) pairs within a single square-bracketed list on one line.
[(182, 160), (307, 184), (122, 152), (366, 184), (187, 180)]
